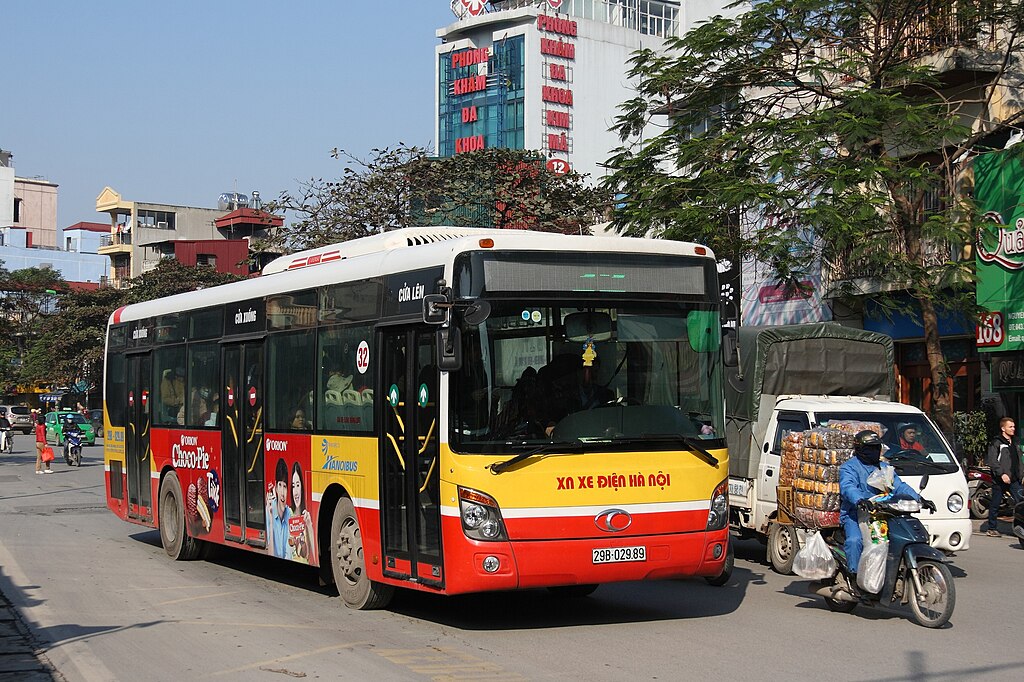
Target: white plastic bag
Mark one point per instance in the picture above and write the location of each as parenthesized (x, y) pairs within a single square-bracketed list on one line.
[(814, 561), (881, 479), (871, 570)]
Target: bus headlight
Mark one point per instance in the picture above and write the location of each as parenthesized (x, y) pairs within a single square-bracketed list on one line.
[(718, 514), (481, 517), (955, 502)]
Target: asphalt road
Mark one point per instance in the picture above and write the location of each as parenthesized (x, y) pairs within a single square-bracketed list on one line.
[(106, 603)]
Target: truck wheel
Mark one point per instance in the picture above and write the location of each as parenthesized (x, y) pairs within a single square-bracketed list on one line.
[(783, 545)]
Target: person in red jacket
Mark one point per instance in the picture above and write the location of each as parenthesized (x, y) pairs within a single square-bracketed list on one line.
[(40, 444)]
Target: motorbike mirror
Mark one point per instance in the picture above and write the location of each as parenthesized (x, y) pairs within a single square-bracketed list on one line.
[(924, 481)]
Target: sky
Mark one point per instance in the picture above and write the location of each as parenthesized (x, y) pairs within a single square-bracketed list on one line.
[(176, 102)]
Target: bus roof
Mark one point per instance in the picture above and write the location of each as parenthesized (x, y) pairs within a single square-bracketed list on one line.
[(395, 251)]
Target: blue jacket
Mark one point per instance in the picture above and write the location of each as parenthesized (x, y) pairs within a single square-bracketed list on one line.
[(853, 485)]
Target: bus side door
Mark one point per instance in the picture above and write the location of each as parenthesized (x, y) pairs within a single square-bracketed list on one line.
[(409, 451), (245, 497), (138, 455)]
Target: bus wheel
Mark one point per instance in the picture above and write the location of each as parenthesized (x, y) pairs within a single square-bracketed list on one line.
[(348, 564), (174, 536), (726, 574)]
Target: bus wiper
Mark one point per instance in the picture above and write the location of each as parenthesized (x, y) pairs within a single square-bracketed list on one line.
[(691, 443), (571, 446)]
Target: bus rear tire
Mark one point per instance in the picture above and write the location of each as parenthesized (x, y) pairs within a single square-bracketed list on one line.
[(348, 564), (174, 536)]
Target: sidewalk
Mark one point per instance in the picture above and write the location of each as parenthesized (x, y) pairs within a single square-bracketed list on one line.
[(18, 660)]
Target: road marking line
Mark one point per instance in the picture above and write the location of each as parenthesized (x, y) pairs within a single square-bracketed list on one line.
[(292, 657), (201, 596)]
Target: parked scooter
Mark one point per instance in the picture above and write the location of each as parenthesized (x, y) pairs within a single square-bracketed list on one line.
[(915, 573), (73, 447), (979, 490), (1018, 522)]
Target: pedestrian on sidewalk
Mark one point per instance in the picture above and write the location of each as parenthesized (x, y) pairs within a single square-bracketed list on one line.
[(1004, 460), (40, 444)]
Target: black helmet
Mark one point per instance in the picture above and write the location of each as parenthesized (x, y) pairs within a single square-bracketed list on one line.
[(867, 437)]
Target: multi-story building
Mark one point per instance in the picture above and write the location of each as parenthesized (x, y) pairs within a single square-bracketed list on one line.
[(141, 234), (546, 74), (28, 208)]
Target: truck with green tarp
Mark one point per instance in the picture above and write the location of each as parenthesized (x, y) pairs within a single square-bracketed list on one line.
[(791, 378)]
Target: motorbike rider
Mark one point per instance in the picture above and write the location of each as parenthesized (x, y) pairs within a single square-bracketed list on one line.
[(69, 426), (854, 488), (1004, 460)]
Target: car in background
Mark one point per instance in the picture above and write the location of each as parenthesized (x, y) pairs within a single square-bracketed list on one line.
[(19, 416), (55, 426), (96, 419)]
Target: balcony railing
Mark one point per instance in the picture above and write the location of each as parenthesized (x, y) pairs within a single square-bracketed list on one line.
[(943, 24), (120, 238)]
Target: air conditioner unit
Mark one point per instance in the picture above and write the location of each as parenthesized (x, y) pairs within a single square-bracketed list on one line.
[(162, 225)]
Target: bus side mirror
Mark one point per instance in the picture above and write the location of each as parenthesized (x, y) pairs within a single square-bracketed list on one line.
[(435, 310), (449, 349)]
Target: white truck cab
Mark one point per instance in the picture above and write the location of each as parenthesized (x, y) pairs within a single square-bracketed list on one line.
[(754, 501)]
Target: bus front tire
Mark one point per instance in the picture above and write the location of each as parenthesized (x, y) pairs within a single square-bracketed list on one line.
[(174, 536), (348, 564)]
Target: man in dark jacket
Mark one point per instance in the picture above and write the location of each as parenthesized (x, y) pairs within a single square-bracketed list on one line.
[(1004, 460)]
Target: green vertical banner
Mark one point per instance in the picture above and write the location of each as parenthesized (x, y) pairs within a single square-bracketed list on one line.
[(999, 251)]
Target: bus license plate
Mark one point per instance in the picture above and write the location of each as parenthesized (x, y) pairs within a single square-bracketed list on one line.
[(612, 555)]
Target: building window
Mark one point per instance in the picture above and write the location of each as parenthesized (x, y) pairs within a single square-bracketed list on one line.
[(206, 260), (157, 220)]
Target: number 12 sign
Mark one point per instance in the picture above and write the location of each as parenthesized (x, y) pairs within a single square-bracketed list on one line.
[(558, 166)]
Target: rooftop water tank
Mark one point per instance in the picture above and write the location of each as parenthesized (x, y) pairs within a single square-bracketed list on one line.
[(230, 201)]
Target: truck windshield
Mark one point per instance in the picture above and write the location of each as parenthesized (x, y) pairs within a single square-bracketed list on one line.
[(910, 441), (614, 376)]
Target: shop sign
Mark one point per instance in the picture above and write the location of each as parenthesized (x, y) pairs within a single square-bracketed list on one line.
[(1008, 372)]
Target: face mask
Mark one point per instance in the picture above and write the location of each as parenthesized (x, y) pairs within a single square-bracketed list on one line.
[(869, 454)]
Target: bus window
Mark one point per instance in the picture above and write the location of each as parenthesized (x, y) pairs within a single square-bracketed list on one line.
[(169, 367), (345, 378), (204, 382), (115, 390), (289, 389)]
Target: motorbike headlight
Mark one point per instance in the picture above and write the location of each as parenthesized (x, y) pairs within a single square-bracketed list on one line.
[(955, 502), (912, 506)]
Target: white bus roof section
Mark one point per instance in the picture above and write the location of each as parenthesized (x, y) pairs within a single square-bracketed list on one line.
[(386, 241), (396, 251)]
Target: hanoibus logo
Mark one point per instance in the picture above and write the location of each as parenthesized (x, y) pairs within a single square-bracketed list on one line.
[(998, 243)]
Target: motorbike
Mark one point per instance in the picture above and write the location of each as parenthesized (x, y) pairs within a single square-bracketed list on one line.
[(8, 447), (979, 490), (915, 573), (73, 448), (1018, 522)]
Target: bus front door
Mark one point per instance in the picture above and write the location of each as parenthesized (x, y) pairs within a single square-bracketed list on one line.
[(138, 456), (245, 497), (409, 451)]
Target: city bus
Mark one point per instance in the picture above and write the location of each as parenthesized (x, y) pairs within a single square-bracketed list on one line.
[(450, 410)]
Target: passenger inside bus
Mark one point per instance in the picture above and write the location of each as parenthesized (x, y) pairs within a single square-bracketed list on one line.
[(521, 416)]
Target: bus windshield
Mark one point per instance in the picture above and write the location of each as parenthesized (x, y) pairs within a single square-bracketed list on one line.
[(611, 375)]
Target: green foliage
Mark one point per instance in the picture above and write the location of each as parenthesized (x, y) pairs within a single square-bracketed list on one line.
[(69, 345), (971, 436), (404, 187), (822, 118)]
